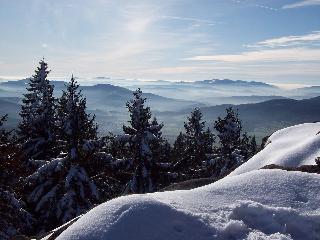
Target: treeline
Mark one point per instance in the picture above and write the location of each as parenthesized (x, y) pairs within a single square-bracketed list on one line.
[(54, 166)]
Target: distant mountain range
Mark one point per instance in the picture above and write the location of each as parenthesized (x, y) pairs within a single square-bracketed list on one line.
[(215, 92), (260, 119), (263, 115), (107, 101), (110, 97), (312, 91), (10, 106), (103, 96), (219, 82), (266, 117)]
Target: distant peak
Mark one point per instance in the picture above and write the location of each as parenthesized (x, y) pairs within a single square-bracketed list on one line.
[(102, 77), (234, 82)]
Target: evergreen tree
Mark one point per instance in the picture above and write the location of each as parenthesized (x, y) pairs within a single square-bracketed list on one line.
[(5, 156), (10, 165), (78, 131), (61, 189), (253, 146), (4, 135), (179, 147), (234, 146), (142, 135), (229, 131), (117, 146), (244, 146), (37, 127), (160, 146), (161, 150), (14, 219), (198, 144)]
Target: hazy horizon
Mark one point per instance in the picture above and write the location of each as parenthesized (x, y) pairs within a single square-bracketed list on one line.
[(88, 81), (269, 41)]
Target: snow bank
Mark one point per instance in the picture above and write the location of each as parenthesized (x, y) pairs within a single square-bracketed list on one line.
[(290, 147), (248, 204), (263, 204)]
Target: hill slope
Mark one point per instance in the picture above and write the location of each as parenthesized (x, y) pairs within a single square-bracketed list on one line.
[(236, 207), (260, 119)]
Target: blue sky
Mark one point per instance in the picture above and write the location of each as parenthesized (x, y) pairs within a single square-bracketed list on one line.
[(268, 40)]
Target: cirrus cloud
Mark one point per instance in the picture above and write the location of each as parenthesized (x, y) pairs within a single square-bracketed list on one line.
[(304, 3), (273, 55), (293, 40)]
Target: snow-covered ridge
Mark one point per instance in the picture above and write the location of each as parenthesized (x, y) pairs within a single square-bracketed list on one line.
[(247, 204), (289, 147)]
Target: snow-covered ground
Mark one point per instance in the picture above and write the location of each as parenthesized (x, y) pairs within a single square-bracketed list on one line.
[(290, 147), (247, 204)]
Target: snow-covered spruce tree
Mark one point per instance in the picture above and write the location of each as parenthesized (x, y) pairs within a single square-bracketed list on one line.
[(116, 146), (161, 150), (229, 131), (37, 127), (11, 168), (5, 153), (234, 147), (244, 146), (248, 146), (61, 189), (142, 135), (77, 129), (179, 147), (198, 144), (160, 147), (14, 220), (253, 149)]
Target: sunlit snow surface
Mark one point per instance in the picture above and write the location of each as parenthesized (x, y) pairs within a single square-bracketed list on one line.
[(250, 204), (291, 147)]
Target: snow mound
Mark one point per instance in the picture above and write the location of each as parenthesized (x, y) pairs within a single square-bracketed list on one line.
[(131, 216), (261, 204), (289, 147)]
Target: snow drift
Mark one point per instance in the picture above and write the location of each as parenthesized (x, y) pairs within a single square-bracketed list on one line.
[(248, 204), (289, 147)]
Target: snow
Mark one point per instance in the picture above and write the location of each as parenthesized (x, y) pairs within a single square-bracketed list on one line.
[(265, 203), (292, 146), (248, 204)]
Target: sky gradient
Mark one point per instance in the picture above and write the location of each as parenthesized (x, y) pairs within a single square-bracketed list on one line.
[(275, 41)]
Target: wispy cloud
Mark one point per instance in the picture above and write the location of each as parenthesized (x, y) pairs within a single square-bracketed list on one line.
[(257, 5), (273, 55), (304, 3), (189, 19), (293, 48), (287, 41), (266, 7)]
